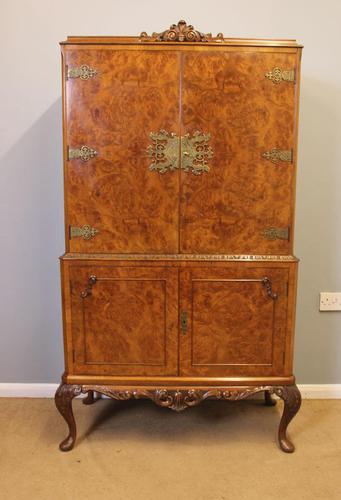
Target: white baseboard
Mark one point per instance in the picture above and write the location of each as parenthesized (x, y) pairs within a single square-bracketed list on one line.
[(27, 390), (309, 391)]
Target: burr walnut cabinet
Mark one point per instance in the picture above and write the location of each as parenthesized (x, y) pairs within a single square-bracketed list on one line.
[(179, 279)]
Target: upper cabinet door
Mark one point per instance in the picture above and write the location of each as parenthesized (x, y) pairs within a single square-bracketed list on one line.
[(239, 118), (114, 100)]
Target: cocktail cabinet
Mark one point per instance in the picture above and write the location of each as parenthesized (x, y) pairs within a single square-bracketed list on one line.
[(179, 280)]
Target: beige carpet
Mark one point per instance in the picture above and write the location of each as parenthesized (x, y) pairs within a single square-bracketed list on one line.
[(135, 450)]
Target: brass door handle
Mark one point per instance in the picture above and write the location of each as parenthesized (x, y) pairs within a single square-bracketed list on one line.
[(183, 322)]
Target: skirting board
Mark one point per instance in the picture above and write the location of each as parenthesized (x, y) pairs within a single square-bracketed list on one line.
[(308, 391)]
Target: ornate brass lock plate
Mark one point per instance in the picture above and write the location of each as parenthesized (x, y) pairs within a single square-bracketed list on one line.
[(164, 151), (195, 152)]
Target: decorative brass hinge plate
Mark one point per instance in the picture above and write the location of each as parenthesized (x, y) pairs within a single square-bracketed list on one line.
[(181, 32), (195, 152), (277, 75), (276, 233), (276, 155), (83, 72), (165, 152), (86, 232), (84, 153)]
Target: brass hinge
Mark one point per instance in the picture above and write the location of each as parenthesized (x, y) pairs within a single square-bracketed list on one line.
[(276, 155), (83, 72), (276, 233), (86, 232), (183, 321), (278, 75), (84, 153)]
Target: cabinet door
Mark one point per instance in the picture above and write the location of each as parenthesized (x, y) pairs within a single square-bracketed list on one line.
[(124, 320), (133, 93), (236, 325), (227, 95)]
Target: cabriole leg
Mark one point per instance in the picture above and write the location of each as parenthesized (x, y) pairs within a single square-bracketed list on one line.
[(63, 399), (91, 398), (268, 399), (292, 402)]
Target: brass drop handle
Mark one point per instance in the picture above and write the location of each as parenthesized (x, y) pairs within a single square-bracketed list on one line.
[(183, 321)]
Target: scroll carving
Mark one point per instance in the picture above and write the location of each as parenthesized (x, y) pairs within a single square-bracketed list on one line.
[(178, 400), (181, 32)]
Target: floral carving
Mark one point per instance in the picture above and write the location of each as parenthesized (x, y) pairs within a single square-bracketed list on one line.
[(178, 400), (181, 32)]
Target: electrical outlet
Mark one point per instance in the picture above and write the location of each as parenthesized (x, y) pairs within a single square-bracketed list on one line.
[(330, 301)]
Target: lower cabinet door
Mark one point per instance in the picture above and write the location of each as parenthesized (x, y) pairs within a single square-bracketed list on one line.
[(124, 320), (234, 320)]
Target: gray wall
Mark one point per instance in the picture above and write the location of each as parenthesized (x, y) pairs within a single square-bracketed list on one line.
[(31, 164)]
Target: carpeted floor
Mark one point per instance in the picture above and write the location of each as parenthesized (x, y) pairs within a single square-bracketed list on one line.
[(135, 450)]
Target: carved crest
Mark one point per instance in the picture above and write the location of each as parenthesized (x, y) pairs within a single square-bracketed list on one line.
[(181, 32)]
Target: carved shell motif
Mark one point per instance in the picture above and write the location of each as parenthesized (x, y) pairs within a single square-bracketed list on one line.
[(181, 32)]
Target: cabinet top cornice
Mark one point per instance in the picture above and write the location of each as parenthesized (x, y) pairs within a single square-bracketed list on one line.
[(179, 34)]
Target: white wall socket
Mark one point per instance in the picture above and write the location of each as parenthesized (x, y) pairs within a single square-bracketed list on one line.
[(330, 301)]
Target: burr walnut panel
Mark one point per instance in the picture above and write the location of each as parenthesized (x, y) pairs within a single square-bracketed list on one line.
[(238, 321), (227, 95), (124, 320), (132, 94)]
